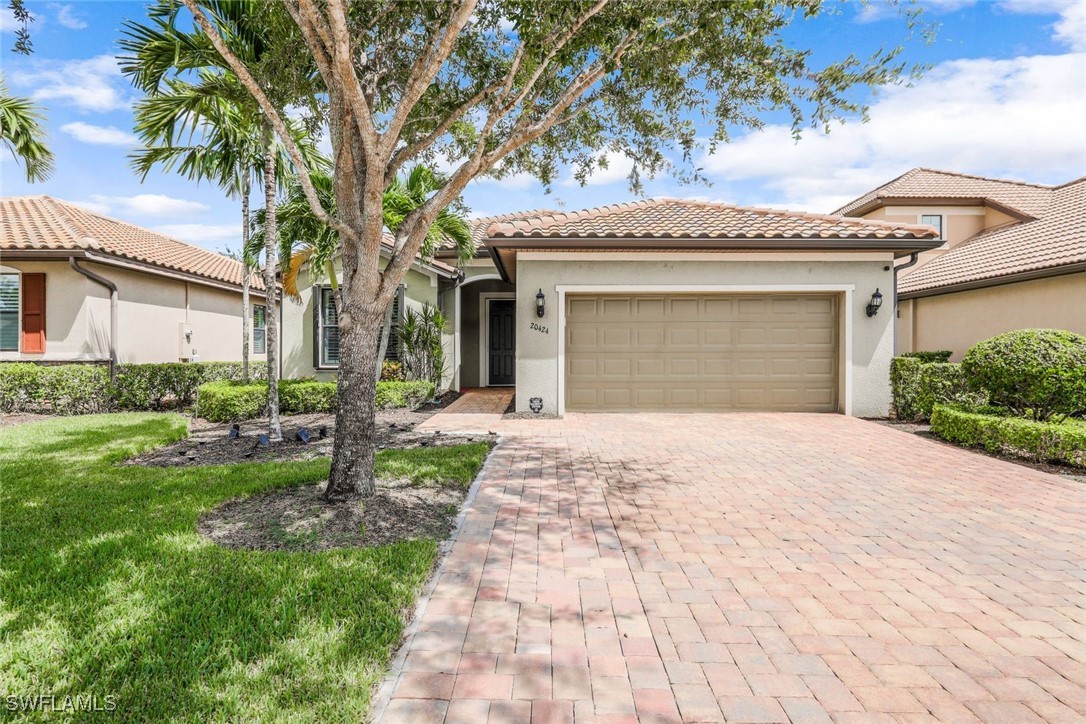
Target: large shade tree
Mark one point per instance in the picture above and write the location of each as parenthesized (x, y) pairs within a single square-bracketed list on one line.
[(501, 86)]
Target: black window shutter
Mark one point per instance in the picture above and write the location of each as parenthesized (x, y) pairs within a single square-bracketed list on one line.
[(316, 299), (393, 351)]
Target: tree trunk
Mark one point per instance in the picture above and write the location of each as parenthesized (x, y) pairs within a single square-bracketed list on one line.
[(271, 321), (353, 450), (245, 310), (386, 331)]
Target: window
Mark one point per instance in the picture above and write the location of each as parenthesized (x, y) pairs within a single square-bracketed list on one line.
[(326, 328), (328, 321), (9, 312), (260, 324), (935, 220)]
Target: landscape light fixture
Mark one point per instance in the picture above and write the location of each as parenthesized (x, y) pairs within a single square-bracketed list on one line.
[(874, 304), (540, 304), (302, 435), (235, 430)]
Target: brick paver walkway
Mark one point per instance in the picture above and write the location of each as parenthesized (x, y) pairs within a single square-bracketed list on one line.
[(751, 568)]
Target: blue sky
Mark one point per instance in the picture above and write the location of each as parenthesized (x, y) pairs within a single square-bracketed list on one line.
[(1006, 97)]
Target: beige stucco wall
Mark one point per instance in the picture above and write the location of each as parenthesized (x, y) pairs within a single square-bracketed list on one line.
[(958, 321), (872, 338), (151, 310), (419, 288)]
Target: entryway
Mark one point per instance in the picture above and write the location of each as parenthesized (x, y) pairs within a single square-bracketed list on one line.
[(501, 359)]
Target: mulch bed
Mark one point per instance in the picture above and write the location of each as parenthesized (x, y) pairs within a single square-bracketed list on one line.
[(21, 418), (210, 443), (298, 519), (924, 430)]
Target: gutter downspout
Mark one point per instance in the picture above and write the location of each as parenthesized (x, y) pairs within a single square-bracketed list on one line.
[(913, 258), (113, 316)]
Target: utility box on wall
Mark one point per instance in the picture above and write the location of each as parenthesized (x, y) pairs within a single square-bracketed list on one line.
[(186, 339)]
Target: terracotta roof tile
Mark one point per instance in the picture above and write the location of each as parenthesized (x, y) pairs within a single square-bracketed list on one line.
[(929, 183), (684, 219), (42, 222), (480, 226), (1056, 238)]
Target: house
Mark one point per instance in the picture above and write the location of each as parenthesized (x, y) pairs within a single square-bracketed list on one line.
[(77, 286), (658, 305), (1013, 256)]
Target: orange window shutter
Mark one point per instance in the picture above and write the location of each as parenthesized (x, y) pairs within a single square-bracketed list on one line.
[(33, 313)]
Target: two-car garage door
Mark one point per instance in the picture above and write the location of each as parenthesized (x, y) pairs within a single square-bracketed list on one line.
[(702, 352)]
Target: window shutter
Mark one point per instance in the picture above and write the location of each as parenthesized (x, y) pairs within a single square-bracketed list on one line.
[(315, 299), (33, 313), (393, 351)]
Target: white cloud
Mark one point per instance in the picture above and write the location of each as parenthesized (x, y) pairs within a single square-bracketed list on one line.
[(1070, 29), (8, 23), (66, 16), (92, 84), (1018, 117), (143, 205), (104, 135), (202, 234)]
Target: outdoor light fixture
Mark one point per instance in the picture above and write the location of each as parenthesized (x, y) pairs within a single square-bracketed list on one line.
[(302, 435), (540, 304), (874, 304)]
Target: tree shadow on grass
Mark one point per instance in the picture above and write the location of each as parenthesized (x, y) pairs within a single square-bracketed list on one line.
[(110, 590)]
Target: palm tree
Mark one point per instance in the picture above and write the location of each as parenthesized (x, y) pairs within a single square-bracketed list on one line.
[(207, 131), (305, 240), (21, 132), (161, 54)]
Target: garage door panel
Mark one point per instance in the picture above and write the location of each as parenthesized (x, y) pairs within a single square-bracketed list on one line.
[(702, 352)]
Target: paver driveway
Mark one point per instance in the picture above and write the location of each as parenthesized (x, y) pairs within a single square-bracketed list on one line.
[(752, 567)]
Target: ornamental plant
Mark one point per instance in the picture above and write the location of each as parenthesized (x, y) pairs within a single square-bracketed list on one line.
[(1036, 373)]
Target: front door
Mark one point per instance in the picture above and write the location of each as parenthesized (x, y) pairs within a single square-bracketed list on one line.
[(501, 347)]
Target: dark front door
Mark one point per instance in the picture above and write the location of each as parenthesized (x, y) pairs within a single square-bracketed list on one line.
[(501, 347)]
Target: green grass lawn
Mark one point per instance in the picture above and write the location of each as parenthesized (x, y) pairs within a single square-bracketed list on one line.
[(109, 590)]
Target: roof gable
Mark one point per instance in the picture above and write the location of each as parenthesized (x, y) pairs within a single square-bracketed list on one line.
[(924, 183)]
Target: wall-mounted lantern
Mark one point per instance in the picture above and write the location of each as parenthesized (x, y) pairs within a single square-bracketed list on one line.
[(540, 304), (874, 304)]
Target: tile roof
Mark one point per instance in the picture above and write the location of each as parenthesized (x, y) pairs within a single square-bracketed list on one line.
[(666, 218), (1057, 237), (45, 223), (926, 183), (480, 226)]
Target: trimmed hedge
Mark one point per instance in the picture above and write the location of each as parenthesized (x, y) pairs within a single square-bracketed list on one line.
[(226, 401), (71, 389), (918, 387), (1036, 373), (938, 355), (1063, 442), (60, 389), (403, 393), (146, 386)]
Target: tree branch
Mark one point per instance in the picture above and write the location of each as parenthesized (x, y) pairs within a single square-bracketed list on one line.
[(347, 80), (272, 115), (425, 69)]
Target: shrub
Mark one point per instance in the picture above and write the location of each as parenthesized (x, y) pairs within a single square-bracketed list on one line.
[(146, 386), (421, 344), (1033, 372), (225, 401), (918, 387), (61, 389), (20, 386), (403, 394), (391, 370), (905, 387), (298, 396), (938, 355), (1063, 442)]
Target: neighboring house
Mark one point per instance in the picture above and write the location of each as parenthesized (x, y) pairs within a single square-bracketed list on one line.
[(1013, 256), (660, 305), (77, 286)]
